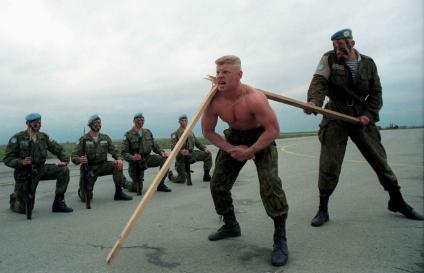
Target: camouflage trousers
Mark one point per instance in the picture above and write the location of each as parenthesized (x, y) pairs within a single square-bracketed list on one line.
[(333, 136), (149, 161), (227, 169), (45, 172), (195, 156), (101, 169)]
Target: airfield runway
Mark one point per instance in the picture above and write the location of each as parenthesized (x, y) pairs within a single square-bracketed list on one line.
[(171, 234)]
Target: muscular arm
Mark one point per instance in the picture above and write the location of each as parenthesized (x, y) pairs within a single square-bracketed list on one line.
[(266, 117), (209, 121)]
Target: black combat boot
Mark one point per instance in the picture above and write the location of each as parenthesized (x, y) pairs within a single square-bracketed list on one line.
[(120, 195), (59, 204), (322, 215), (14, 206), (280, 253), (207, 177), (397, 204), (162, 187), (171, 176), (231, 228), (12, 200)]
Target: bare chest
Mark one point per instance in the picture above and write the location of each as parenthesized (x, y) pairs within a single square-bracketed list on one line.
[(238, 114)]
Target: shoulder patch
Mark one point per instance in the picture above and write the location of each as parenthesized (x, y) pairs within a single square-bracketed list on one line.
[(323, 67), (13, 140)]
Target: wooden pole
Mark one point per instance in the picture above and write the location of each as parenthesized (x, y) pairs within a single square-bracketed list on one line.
[(305, 105), (162, 172)]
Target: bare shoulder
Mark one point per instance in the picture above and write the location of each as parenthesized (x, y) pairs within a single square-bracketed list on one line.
[(215, 103), (254, 95)]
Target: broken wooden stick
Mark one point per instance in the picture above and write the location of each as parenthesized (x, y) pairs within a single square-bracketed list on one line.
[(162, 172)]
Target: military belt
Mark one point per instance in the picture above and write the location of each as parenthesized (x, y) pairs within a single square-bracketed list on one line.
[(239, 137), (346, 102)]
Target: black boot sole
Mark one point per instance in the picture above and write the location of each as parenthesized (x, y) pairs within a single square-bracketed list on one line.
[(219, 236), (122, 199), (316, 223)]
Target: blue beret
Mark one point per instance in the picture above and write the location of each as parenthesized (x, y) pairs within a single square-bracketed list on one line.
[(92, 119), (182, 117), (138, 115), (342, 34), (33, 116)]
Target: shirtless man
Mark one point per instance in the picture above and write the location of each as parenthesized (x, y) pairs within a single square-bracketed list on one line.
[(253, 127)]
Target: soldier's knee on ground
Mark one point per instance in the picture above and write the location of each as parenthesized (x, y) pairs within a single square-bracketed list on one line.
[(15, 205)]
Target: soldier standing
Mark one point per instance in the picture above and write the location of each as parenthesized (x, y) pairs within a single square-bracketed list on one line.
[(351, 82), (188, 150), (253, 129), (98, 146), (136, 148), (30, 147)]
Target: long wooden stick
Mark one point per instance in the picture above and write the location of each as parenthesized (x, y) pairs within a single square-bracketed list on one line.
[(152, 188), (304, 105)]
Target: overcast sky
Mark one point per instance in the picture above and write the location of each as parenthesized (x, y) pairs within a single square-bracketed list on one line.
[(70, 59)]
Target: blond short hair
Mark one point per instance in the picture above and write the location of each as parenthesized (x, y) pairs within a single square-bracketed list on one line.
[(229, 59)]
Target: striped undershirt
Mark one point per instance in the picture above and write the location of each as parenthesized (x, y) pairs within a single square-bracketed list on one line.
[(353, 67)]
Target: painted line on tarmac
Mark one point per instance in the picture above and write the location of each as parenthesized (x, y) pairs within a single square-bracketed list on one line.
[(284, 149)]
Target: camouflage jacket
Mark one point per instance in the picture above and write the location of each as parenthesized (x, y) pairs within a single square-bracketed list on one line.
[(96, 152), (134, 143), (18, 148), (334, 80), (191, 142)]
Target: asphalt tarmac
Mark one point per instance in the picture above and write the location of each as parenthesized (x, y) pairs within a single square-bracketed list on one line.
[(171, 234)]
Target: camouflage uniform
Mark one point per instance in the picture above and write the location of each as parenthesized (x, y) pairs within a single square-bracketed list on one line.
[(98, 165), (227, 169), (194, 156), (362, 96), (142, 143), (18, 148)]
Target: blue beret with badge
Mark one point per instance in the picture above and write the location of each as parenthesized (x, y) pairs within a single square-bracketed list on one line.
[(138, 115), (184, 116), (92, 119), (33, 116), (342, 34)]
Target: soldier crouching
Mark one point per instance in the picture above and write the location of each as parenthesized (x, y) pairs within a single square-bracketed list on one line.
[(26, 152)]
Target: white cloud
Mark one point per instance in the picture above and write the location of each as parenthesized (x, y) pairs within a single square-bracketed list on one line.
[(69, 59)]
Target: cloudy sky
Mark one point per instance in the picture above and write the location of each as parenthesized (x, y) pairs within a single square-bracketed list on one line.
[(70, 59)]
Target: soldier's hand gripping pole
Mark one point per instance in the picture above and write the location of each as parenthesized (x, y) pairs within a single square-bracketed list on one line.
[(29, 202), (162, 172)]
